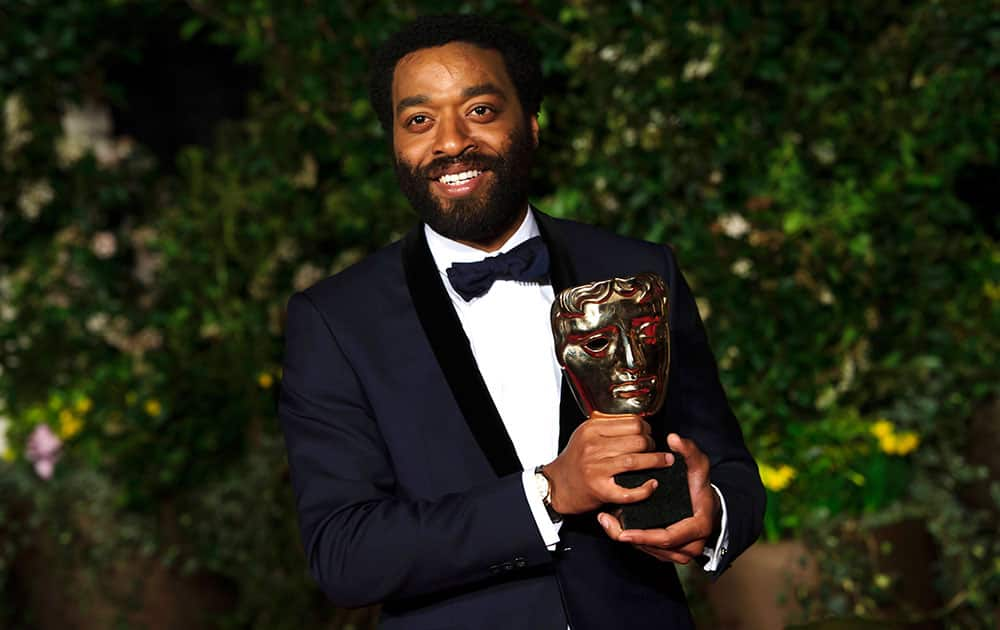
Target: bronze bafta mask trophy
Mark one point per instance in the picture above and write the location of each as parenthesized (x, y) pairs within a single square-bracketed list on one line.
[(613, 344)]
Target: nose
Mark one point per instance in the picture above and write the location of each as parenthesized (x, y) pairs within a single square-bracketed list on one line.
[(635, 361), (452, 137)]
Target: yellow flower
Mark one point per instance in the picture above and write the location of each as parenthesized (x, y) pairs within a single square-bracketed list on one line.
[(907, 442), (882, 428), (776, 479), (882, 581), (69, 424), (8, 455), (265, 380), (889, 443), (991, 290), (83, 405), (153, 407)]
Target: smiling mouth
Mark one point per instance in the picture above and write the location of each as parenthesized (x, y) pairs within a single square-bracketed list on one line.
[(459, 184), (454, 179)]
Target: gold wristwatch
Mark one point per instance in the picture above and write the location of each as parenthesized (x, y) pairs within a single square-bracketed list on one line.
[(545, 492)]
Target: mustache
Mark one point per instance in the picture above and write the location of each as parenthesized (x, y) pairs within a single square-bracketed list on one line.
[(472, 161)]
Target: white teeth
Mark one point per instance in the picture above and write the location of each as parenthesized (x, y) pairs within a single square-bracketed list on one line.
[(457, 178)]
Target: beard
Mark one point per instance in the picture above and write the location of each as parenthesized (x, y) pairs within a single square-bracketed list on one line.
[(483, 217)]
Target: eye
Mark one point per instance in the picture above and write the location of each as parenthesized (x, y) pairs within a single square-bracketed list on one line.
[(597, 344), (418, 121), (647, 333), (484, 113)]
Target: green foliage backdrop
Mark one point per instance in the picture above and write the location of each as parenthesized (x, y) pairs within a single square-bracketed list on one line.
[(803, 159)]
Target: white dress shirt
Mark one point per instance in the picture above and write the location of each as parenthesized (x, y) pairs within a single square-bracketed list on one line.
[(511, 337)]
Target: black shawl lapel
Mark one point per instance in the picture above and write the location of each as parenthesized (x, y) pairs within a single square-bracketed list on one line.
[(454, 354), (563, 275)]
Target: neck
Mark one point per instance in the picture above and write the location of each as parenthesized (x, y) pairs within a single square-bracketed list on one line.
[(496, 243)]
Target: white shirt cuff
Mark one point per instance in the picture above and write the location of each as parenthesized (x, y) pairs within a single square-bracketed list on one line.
[(548, 530), (715, 552)]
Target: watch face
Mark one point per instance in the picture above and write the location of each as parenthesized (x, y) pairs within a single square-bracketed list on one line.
[(542, 484)]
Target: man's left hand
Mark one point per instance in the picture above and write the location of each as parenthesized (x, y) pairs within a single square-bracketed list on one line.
[(684, 540)]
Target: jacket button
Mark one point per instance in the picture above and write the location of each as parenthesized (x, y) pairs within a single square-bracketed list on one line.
[(520, 563), (495, 569), (508, 566)]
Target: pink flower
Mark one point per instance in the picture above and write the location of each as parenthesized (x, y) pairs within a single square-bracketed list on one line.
[(43, 450)]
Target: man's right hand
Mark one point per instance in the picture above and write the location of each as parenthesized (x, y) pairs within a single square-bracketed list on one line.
[(581, 478)]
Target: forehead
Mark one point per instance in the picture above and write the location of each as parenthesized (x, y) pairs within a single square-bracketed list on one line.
[(441, 69), (616, 309)]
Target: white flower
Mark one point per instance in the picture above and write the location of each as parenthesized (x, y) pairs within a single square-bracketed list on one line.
[(4, 427), (701, 68), (16, 119), (83, 129), (734, 225), (698, 69), (97, 323), (611, 54), (824, 152), (34, 197), (741, 267), (104, 245)]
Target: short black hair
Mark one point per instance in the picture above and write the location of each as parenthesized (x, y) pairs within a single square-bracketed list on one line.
[(519, 55)]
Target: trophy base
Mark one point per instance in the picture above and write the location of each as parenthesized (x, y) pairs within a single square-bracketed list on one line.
[(669, 503)]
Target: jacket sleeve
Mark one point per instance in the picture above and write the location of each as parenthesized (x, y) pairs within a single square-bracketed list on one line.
[(364, 542), (700, 411)]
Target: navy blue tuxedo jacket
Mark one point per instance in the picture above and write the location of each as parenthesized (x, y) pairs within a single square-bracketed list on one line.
[(408, 487)]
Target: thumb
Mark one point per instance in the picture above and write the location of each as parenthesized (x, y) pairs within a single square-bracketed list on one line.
[(696, 461)]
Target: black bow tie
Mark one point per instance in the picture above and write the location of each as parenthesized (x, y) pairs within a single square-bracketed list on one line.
[(527, 262)]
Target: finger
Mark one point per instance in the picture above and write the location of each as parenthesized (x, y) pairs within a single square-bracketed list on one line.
[(612, 526), (665, 555), (685, 447), (684, 531), (635, 461), (692, 549), (676, 536), (613, 446), (613, 426), (697, 462), (613, 493)]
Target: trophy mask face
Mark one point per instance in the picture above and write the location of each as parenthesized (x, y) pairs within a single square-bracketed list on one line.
[(613, 342)]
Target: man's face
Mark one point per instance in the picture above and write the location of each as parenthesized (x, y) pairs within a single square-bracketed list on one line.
[(616, 354), (462, 142)]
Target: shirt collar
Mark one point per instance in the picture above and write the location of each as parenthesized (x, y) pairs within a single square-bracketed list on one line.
[(446, 252)]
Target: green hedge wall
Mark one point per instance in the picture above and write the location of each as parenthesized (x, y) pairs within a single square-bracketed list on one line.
[(818, 167)]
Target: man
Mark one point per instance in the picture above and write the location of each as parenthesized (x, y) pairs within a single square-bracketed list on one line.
[(417, 405)]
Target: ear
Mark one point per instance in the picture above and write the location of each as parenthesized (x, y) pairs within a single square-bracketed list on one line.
[(534, 129)]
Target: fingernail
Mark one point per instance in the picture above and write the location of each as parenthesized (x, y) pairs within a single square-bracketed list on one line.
[(603, 520), (656, 484)]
